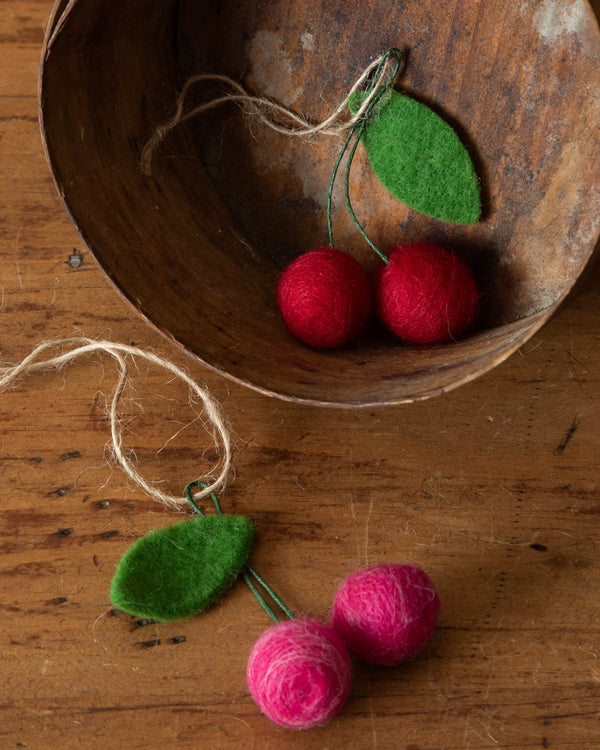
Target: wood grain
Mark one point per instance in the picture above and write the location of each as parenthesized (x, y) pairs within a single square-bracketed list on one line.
[(493, 488)]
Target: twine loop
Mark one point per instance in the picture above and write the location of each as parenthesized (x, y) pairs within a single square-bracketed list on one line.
[(121, 353), (274, 115)]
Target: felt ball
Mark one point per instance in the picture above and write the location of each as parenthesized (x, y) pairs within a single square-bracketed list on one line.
[(386, 613), (425, 294), (299, 673), (324, 297)]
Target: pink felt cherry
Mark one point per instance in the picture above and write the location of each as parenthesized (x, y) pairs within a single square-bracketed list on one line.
[(386, 613), (299, 673)]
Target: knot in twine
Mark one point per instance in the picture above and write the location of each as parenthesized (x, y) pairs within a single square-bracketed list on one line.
[(121, 353), (270, 113)]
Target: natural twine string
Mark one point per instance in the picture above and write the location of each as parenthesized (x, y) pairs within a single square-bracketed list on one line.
[(77, 347), (272, 114)]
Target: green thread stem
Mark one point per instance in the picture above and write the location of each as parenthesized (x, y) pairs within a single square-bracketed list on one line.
[(357, 223), (358, 130), (192, 502), (247, 572), (277, 599), (332, 183), (259, 597)]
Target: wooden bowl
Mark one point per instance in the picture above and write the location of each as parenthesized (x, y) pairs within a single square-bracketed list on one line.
[(197, 247)]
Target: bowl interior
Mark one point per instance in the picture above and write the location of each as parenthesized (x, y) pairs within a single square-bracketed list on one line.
[(197, 246)]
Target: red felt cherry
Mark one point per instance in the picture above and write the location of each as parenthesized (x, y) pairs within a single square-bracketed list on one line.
[(324, 297), (425, 294)]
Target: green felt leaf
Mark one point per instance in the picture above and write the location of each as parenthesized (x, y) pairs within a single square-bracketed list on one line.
[(420, 159), (178, 571)]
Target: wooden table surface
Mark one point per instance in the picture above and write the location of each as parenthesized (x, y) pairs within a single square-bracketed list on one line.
[(492, 488)]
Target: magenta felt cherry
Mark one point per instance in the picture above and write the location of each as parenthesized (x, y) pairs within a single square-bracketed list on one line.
[(386, 613), (299, 673)]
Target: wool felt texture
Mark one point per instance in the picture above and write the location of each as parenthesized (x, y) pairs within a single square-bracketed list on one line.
[(324, 297), (299, 673), (420, 159), (425, 294), (178, 571), (386, 613)]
